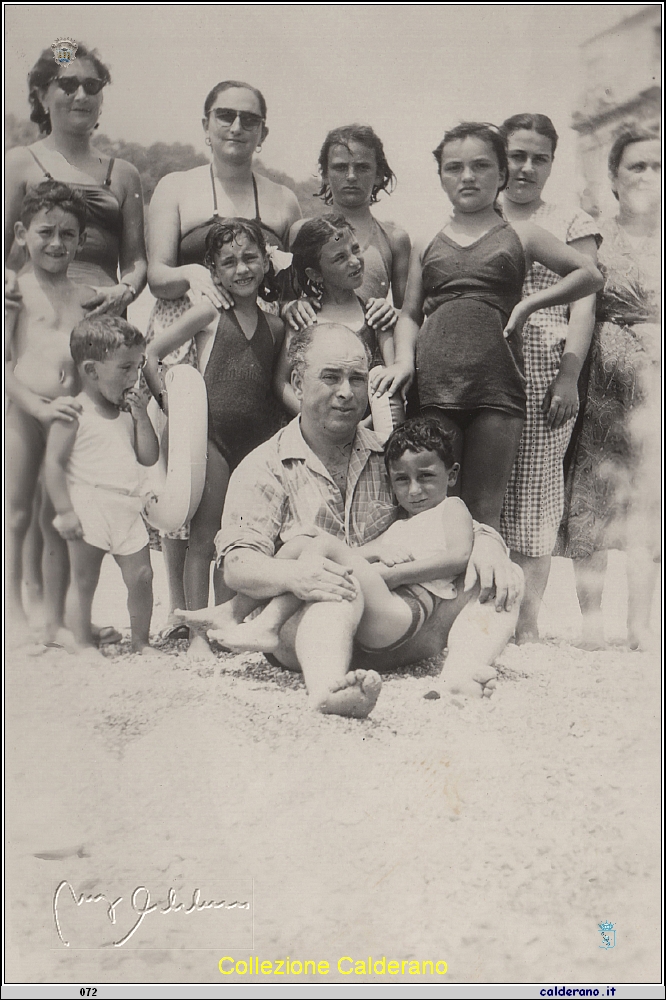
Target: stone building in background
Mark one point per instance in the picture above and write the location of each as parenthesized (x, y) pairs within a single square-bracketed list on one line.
[(621, 85)]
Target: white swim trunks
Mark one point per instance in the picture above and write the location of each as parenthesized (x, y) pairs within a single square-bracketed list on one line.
[(111, 521)]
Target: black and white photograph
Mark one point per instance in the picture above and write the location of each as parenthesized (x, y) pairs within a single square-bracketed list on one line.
[(343, 663)]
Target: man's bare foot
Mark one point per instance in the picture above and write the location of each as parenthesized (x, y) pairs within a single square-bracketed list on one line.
[(219, 617), (247, 638), (472, 684), (355, 696), (199, 651)]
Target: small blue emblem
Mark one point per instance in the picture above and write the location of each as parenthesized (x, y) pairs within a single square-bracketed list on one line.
[(64, 50), (607, 931)]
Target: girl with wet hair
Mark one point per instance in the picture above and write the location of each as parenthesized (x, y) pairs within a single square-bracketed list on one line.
[(237, 350), (354, 171)]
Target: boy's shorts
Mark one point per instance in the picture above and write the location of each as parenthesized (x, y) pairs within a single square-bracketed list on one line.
[(111, 521), (422, 603)]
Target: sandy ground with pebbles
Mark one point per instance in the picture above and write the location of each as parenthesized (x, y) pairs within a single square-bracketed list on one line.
[(494, 837)]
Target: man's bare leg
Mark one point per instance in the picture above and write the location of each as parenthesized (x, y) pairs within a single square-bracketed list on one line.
[(478, 636), (318, 640)]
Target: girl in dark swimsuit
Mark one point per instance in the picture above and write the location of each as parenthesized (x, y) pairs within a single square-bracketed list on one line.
[(237, 350), (466, 283), (329, 266)]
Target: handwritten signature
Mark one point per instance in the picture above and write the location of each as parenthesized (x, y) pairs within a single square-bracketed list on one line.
[(140, 903)]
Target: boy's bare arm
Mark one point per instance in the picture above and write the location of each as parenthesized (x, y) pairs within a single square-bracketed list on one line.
[(58, 449), (146, 445), (447, 562), (44, 410)]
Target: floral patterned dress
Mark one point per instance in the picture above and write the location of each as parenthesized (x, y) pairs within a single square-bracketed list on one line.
[(614, 472)]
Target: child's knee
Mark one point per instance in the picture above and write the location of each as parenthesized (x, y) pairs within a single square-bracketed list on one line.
[(142, 575), (19, 516)]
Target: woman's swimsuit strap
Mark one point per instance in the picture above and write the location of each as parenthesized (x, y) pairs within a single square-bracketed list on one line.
[(50, 177), (257, 213)]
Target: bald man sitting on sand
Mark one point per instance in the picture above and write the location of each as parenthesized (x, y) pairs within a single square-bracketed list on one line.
[(325, 473)]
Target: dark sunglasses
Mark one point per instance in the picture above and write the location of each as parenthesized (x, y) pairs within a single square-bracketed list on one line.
[(70, 84), (248, 119)]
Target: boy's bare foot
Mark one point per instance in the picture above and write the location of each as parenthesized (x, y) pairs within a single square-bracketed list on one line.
[(218, 617), (355, 696), (472, 684), (247, 638), (199, 651)]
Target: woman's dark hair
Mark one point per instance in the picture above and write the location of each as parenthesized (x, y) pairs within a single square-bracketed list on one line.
[(53, 194), (366, 136), (419, 434), (228, 85), (308, 244), (45, 71), (489, 134), (531, 123), (627, 137), (226, 231)]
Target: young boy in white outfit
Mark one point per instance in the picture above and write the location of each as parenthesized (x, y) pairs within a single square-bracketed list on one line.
[(93, 475)]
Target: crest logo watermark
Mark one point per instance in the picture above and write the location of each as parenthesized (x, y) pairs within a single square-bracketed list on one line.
[(64, 50), (607, 931)]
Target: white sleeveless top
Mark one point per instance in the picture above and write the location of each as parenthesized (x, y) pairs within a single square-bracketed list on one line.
[(421, 535), (103, 454)]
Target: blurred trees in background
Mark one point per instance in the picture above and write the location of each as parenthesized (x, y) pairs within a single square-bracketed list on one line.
[(153, 162)]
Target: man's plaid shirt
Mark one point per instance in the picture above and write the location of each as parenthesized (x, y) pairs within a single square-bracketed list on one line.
[(282, 489)]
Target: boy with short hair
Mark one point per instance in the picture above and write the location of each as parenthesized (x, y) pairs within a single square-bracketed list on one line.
[(403, 574), (40, 379), (93, 476)]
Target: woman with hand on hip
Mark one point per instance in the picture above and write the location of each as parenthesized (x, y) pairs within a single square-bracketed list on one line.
[(555, 344), (613, 491), (66, 104), (183, 209)]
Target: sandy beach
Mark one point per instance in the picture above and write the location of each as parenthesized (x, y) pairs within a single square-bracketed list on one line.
[(494, 837)]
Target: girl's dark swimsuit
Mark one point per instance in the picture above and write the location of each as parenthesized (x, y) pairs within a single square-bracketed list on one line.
[(463, 360), (242, 411)]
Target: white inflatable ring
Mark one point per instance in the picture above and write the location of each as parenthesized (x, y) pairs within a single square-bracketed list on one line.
[(178, 481)]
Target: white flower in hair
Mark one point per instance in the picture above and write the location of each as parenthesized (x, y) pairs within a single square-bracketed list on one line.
[(278, 258)]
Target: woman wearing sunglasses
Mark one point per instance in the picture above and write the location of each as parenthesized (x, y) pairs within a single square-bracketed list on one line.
[(186, 204), (184, 207), (66, 104)]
